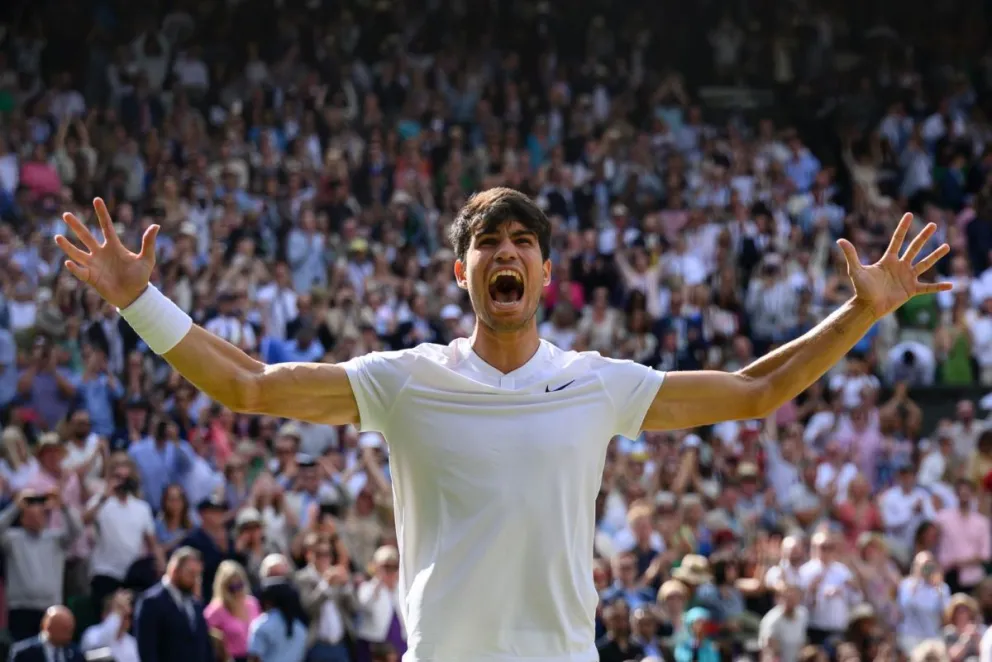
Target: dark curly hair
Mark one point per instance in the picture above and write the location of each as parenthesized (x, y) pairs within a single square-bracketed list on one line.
[(487, 210)]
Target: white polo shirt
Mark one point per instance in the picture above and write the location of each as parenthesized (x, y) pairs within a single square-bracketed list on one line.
[(494, 480)]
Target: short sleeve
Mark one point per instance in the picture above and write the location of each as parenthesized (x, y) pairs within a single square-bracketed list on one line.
[(376, 380), (632, 387), (149, 525)]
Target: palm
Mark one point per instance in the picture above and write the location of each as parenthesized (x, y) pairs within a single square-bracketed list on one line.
[(895, 278), (116, 273)]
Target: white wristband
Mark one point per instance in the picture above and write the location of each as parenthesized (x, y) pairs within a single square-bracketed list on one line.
[(157, 320)]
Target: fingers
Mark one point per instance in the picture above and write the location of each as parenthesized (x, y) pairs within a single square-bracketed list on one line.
[(933, 288), (106, 224), (81, 231), (71, 250), (850, 254), (148, 245), (899, 236), (916, 245), (926, 263), (80, 271)]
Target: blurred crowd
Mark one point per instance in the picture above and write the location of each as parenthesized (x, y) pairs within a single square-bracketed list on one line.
[(304, 160)]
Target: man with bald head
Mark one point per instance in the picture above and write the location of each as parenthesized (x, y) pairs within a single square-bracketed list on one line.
[(54, 643)]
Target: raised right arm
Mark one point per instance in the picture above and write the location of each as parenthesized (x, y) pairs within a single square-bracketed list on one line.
[(314, 392)]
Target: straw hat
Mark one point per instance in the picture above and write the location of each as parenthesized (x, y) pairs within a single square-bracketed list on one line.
[(694, 570), (960, 600)]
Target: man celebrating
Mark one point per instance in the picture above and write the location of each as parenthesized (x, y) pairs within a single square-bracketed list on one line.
[(497, 441)]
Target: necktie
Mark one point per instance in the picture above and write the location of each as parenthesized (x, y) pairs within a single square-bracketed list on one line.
[(190, 613)]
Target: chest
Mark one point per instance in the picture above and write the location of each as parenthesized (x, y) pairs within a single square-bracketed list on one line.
[(489, 443)]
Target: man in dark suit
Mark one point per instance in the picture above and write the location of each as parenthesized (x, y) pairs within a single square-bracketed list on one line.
[(168, 621), (54, 644)]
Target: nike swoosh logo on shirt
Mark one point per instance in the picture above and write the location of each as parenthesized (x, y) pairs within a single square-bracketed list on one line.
[(548, 389)]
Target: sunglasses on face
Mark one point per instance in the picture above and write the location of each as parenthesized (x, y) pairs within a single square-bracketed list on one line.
[(391, 568), (235, 587)]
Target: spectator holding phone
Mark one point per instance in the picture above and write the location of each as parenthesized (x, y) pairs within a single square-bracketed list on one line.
[(379, 608), (34, 556), (126, 552), (923, 597)]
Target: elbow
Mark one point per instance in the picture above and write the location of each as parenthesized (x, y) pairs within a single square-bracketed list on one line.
[(244, 394), (758, 397)]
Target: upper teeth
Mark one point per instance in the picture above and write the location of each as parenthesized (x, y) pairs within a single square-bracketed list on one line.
[(505, 272)]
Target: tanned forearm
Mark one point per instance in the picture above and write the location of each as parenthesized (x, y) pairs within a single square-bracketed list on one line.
[(694, 398), (214, 366), (795, 366)]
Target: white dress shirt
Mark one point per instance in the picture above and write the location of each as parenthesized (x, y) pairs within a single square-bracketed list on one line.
[(330, 628), (830, 607), (107, 634)]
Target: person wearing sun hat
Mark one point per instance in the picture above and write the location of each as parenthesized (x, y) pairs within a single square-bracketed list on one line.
[(963, 629)]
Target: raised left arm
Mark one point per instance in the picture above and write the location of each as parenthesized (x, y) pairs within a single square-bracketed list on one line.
[(694, 398)]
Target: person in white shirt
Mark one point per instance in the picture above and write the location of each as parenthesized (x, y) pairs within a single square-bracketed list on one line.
[(496, 441), (904, 506), (934, 464), (786, 571), (783, 629), (380, 618), (327, 598), (922, 599), (114, 631), (830, 590), (125, 533)]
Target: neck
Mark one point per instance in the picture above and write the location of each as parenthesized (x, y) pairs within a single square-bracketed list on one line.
[(506, 351)]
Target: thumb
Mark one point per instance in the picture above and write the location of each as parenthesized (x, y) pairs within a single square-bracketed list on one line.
[(148, 244), (850, 254)]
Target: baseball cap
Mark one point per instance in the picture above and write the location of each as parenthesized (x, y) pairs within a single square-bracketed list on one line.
[(213, 502), (247, 517)]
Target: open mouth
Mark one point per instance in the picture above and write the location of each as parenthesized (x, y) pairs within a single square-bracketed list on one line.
[(506, 287)]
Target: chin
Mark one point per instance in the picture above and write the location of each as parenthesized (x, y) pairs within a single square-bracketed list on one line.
[(508, 317)]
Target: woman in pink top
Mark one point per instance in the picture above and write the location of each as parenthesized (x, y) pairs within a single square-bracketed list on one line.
[(232, 609)]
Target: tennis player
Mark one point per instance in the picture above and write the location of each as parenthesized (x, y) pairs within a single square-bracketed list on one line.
[(497, 442)]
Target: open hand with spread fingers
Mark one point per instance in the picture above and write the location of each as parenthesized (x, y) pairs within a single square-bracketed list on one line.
[(894, 279), (116, 273)]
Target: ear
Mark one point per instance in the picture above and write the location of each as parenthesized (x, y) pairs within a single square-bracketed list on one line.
[(461, 275), (547, 272)]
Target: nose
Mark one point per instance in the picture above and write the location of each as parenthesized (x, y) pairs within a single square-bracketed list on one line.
[(506, 250)]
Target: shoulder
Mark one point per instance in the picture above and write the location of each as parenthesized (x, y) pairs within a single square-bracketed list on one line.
[(259, 624), (213, 611), (23, 646), (151, 595)]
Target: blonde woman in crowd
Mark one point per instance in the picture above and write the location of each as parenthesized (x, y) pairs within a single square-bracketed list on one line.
[(18, 466), (232, 609)]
